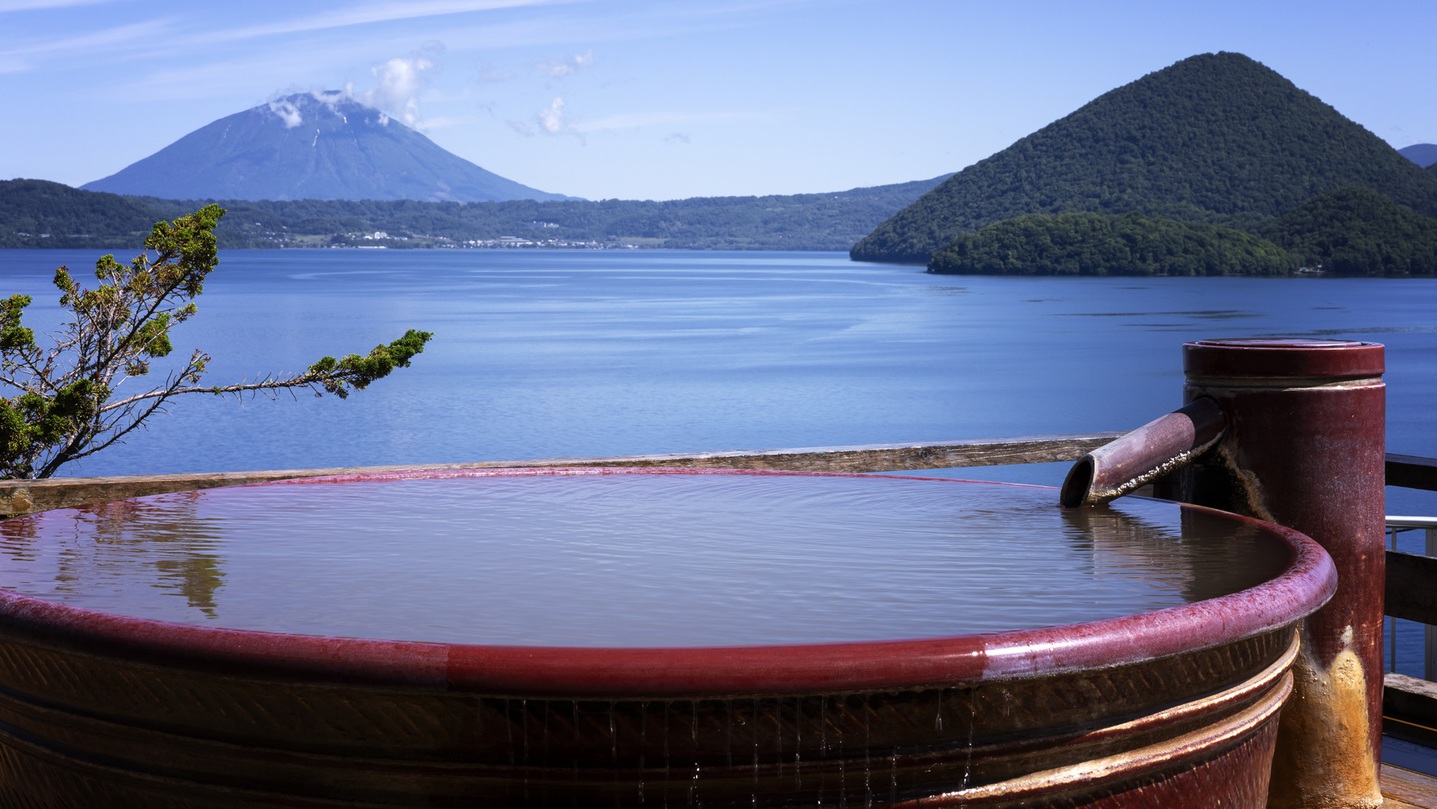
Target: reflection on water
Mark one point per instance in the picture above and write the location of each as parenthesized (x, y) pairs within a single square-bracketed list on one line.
[(115, 551), (638, 560), (1140, 544)]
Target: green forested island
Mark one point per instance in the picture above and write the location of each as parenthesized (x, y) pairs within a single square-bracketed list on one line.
[(1100, 244), (1216, 140), (1358, 231)]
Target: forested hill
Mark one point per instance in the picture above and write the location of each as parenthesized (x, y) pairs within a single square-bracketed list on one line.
[(36, 213), (1079, 243), (1357, 231), (39, 213), (1216, 139)]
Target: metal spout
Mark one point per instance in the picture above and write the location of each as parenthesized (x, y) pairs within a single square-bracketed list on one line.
[(1139, 457)]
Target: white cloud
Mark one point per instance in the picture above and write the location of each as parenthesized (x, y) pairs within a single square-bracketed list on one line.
[(329, 98), (551, 118), (399, 83), (287, 112), (401, 80), (552, 121), (568, 66)]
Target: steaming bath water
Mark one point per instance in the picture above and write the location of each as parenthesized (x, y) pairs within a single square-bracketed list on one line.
[(638, 560)]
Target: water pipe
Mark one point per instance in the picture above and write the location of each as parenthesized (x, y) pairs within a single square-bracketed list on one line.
[(1157, 448)]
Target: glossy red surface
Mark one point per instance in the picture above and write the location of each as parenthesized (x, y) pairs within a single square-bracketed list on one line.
[(1331, 359)]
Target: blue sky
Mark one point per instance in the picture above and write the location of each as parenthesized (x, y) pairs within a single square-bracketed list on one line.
[(641, 99)]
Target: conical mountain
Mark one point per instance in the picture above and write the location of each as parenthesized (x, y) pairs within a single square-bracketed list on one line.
[(311, 146), (1216, 138)]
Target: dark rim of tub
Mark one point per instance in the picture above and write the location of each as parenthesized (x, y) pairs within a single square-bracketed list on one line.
[(673, 672)]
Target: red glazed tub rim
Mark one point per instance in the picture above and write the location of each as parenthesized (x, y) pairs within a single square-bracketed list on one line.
[(1284, 358), (589, 471), (589, 672)]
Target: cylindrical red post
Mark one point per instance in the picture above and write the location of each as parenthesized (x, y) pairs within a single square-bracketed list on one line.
[(1304, 448)]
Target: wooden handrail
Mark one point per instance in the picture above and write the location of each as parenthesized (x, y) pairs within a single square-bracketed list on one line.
[(1412, 472), (1409, 593)]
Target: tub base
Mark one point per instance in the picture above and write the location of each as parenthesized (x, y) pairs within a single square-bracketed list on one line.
[(1120, 737)]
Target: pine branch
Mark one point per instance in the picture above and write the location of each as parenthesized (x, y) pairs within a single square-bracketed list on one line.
[(64, 409)]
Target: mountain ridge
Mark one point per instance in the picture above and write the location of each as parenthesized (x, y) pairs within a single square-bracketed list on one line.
[(1423, 154), (41, 213), (311, 146)]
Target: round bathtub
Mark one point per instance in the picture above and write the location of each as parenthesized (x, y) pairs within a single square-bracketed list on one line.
[(689, 701)]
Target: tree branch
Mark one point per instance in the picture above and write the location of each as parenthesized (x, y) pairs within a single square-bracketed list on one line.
[(63, 409)]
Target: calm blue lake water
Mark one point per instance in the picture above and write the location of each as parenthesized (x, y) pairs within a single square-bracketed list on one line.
[(542, 354)]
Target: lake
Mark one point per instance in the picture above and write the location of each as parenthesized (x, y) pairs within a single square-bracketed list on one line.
[(544, 354)]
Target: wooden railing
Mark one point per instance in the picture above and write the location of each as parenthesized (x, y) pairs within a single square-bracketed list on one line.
[(1409, 704), (1409, 593)]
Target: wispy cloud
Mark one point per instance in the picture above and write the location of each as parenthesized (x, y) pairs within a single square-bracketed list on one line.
[(553, 120), (489, 74), (568, 66), (37, 5), (138, 37), (432, 123), (191, 33), (374, 13), (666, 119)]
